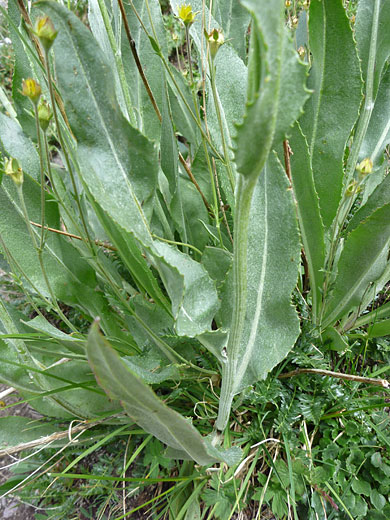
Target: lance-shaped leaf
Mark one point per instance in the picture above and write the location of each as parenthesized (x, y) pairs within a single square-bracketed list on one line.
[(119, 165), (271, 325), (141, 403), (247, 357), (310, 223), (372, 32), (332, 110), (382, 328), (361, 263), (271, 322)]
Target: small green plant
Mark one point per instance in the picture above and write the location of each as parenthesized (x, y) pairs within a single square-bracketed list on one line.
[(203, 223)]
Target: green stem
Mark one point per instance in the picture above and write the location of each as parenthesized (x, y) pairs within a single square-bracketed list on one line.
[(204, 143), (217, 105), (118, 61), (40, 150), (178, 244)]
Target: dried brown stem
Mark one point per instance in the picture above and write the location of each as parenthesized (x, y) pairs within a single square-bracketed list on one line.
[(349, 377), (71, 235)]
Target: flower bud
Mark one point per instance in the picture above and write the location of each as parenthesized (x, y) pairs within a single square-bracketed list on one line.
[(301, 52), (45, 31), (353, 188), (287, 3), (31, 89), (44, 115), (216, 40), (13, 169), (365, 167), (186, 15)]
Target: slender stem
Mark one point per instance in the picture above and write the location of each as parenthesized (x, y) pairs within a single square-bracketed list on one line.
[(167, 68), (369, 97), (349, 377), (217, 105), (38, 129), (118, 61), (204, 143), (178, 243), (188, 45)]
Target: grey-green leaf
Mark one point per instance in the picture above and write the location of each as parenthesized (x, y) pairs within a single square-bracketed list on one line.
[(271, 325), (141, 403)]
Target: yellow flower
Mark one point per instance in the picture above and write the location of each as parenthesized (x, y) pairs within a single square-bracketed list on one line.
[(13, 169), (186, 15), (31, 89), (45, 31)]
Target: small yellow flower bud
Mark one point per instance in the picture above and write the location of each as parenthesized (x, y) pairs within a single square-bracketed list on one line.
[(365, 167), (287, 3), (13, 169), (44, 115), (352, 189), (186, 15), (45, 31), (216, 40), (31, 89)]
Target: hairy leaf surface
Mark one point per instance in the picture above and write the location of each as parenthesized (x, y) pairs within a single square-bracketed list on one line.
[(141, 403)]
